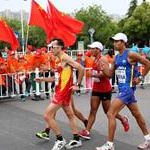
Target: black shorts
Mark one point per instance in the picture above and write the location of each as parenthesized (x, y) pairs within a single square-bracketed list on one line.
[(103, 95)]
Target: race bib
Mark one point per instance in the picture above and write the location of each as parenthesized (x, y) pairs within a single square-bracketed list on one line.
[(95, 79), (121, 74)]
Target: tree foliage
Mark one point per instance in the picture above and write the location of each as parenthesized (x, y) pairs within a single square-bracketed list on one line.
[(137, 26), (95, 17), (133, 5)]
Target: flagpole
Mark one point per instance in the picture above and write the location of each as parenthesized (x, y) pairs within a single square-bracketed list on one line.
[(27, 36), (22, 30)]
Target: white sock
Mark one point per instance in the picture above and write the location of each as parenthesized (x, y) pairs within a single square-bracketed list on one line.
[(110, 143), (147, 137)]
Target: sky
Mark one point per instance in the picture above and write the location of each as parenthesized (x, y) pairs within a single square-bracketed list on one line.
[(119, 7)]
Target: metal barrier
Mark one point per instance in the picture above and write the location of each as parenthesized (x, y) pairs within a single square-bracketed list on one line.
[(18, 84)]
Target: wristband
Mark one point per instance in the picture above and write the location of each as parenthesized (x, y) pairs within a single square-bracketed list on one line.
[(77, 84), (141, 78)]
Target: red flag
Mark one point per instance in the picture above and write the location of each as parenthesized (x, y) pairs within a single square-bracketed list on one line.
[(60, 31), (39, 17), (73, 25), (8, 35)]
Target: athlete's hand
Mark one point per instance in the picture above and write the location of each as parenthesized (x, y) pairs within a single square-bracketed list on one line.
[(101, 66), (136, 81), (38, 79), (75, 88)]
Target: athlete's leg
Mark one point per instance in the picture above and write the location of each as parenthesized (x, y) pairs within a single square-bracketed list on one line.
[(49, 117), (72, 119), (76, 142), (138, 116), (95, 102), (77, 113), (124, 120), (115, 107)]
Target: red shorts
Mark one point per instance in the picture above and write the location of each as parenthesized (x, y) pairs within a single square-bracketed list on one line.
[(62, 99)]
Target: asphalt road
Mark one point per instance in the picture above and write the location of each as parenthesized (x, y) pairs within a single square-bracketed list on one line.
[(19, 121)]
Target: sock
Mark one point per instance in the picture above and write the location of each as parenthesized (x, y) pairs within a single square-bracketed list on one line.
[(110, 143), (59, 137), (76, 137), (47, 130), (147, 137)]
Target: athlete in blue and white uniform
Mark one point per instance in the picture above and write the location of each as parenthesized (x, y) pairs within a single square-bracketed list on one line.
[(126, 74), (125, 65)]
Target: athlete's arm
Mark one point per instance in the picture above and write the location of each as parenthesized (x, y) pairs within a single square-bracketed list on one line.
[(104, 65), (75, 65), (45, 79), (134, 58)]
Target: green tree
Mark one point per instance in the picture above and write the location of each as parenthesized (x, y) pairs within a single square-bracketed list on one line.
[(95, 17), (37, 37), (133, 5), (137, 26)]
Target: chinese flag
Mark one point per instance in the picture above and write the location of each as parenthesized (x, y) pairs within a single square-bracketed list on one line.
[(73, 25), (61, 31), (40, 18), (8, 35)]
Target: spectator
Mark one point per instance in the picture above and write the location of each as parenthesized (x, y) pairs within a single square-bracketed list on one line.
[(88, 64), (145, 51), (13, 67), (135, 48), (80, 61), (110, 57), (3, 70), (24, 76)]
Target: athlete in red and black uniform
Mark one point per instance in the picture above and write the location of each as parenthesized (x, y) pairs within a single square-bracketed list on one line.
[(101, 92)]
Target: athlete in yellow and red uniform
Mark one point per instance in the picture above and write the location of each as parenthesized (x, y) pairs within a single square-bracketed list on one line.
[(62, 97), (63, 90)]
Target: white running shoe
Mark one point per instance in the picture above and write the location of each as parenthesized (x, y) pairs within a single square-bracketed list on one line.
[(59, 145), (105, 147), (144, 145), (73, 143)]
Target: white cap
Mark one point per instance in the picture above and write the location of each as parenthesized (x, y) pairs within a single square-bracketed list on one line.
[(120, 36), (49, 45), (96, 45)]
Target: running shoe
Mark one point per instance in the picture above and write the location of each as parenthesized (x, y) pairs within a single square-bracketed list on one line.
[(43, 135), (144, 145), (73, 143), (59, 144), (125, 123), (85, 134), (105, 147)]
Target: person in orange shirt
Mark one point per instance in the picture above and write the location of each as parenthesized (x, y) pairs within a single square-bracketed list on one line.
[(12, 63), (13, 67), (80, 61), (53, 63), (29, 56), (111, 57), (88, 64), (3, 70), (45, 67), (23, 76), (37, 62)]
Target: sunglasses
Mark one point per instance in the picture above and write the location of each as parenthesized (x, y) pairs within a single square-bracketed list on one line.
[(55, 47)]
